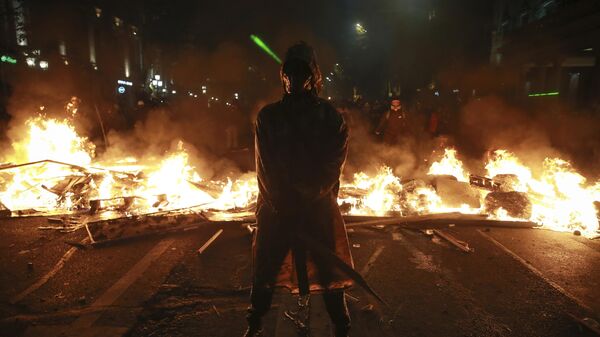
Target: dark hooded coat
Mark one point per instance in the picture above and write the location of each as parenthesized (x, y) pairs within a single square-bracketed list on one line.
[(301, 146)]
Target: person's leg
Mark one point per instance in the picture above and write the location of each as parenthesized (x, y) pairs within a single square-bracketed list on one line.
[(335, 302), (269, 253), (260, 303)]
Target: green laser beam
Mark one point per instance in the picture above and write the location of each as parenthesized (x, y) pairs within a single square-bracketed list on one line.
[(8, 59), (264, 47), (554, 93)]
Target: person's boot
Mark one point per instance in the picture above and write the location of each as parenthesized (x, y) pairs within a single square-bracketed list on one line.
[(335, 302), (254, 319), (253, 331), (301, 317)]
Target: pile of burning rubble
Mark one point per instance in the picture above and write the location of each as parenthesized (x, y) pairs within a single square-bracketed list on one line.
[(53, 171)]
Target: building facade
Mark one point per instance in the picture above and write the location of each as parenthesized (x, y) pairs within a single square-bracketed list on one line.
[(551, 48), (95, 50)]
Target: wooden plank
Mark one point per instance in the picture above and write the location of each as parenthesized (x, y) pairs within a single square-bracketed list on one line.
[(461, 245), (210, 241), (588, 323), (443, 219)]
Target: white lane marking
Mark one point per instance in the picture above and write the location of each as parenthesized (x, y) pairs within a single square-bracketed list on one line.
[(57, 267), (372, 260), (420, 259), (119, 287)]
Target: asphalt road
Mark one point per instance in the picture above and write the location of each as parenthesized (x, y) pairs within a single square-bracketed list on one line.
[(517, 282)]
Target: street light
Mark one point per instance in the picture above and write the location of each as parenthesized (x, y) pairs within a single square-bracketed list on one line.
[(360, 29)]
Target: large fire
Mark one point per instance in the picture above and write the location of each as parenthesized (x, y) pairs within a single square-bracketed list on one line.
[(61, 174), (50, 144)]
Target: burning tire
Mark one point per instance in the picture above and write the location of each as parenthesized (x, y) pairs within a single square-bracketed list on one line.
[(516, 204)]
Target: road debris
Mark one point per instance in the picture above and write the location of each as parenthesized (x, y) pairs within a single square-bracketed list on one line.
[(216, 311), (461, 245), (4, 211), (440, 220), (587, 323), (301, 316), (209, 242)]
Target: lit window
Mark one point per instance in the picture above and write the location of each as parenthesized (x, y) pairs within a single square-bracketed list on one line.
[(98, 12), (118, 21), (62, 48), (30, 61), (44, 64)]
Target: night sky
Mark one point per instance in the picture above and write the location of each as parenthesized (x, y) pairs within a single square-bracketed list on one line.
[(408, 40)]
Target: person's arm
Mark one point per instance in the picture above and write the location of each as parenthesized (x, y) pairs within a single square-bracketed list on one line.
[(328, 162), (335, 157), (264, 160)]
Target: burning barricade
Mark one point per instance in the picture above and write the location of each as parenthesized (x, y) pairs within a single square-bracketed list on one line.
[(53, 171)]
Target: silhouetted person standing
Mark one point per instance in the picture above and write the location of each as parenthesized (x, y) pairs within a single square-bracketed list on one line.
[(301, 146), (393, 124)]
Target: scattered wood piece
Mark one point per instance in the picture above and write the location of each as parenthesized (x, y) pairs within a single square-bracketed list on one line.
[(443, 220), (354, 299), (250, 227), (4, 211), (134, 226), (91, 237), (463, 246), (210, 241), (483, 182), (587, 323), (216, 311), (77, 244)]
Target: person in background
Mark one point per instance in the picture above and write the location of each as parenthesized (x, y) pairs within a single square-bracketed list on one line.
[(393, 123)]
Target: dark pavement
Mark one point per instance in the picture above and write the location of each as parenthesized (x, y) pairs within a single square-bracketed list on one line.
[(517, 282)]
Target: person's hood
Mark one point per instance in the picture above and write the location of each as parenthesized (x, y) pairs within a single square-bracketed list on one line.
[(300, 71)]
